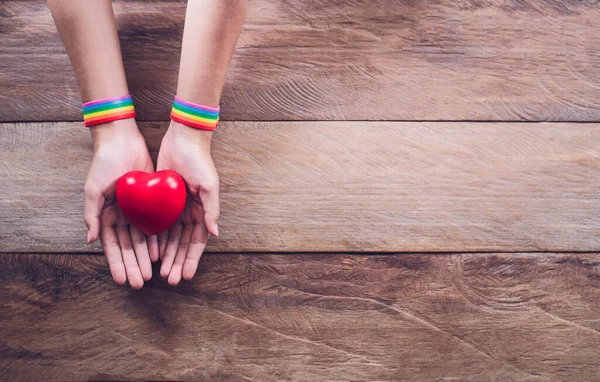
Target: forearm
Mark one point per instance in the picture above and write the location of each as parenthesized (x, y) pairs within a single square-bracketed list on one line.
[(212, 28), (89, 33)]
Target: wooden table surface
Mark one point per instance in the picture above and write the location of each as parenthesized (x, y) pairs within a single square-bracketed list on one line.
[(409, 192)]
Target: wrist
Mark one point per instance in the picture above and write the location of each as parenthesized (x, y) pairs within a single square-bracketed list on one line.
[(181, 131), (122, 130)]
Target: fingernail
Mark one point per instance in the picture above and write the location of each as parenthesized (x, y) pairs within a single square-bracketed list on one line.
[(89, 236), (216, 230)]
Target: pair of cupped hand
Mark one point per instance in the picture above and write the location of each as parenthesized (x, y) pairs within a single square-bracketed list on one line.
[(119, 147)]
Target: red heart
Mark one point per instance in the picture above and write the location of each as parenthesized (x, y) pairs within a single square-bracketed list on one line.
[(151, 201)]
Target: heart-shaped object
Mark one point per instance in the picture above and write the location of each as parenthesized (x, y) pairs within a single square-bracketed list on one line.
[(151, 201)]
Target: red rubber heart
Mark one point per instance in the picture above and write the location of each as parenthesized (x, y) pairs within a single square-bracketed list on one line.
[(151, 201)]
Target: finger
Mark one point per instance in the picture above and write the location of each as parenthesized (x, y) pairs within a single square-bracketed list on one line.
[(131, 266), (171, 250), (184, 243), (92, 207), (198, 242), (209, 195), (140, 247), (110, 246), (163, 238), (153, 247)]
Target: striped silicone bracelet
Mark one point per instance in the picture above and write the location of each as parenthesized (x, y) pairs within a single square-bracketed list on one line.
[(107, 110), (194, 115)]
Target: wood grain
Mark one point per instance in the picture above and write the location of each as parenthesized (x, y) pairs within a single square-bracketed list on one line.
[(336, 60), (339, 186), (471, 317)]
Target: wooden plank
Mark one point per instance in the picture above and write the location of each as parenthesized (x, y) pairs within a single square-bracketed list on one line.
[(323, 60), (339, 186), (471, 317)]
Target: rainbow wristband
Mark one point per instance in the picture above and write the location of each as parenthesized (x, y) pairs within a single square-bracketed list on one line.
[(194, 115), (107, 110)]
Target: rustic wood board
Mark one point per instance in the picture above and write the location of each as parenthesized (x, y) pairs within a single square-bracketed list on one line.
[(339, 186), (336, 60), (471, 317)]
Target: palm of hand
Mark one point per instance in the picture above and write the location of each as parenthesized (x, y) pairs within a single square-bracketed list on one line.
[(182, 245), (108, 167), (129, 251)]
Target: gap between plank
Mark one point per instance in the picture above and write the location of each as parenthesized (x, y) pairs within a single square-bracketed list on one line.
[(342, 120), (353, 253)]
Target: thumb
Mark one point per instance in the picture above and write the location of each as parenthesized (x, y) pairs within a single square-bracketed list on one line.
[(93, 203), (209, 195)]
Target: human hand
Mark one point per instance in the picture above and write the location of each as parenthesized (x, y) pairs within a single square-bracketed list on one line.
[(187, 151), (119, 147)]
